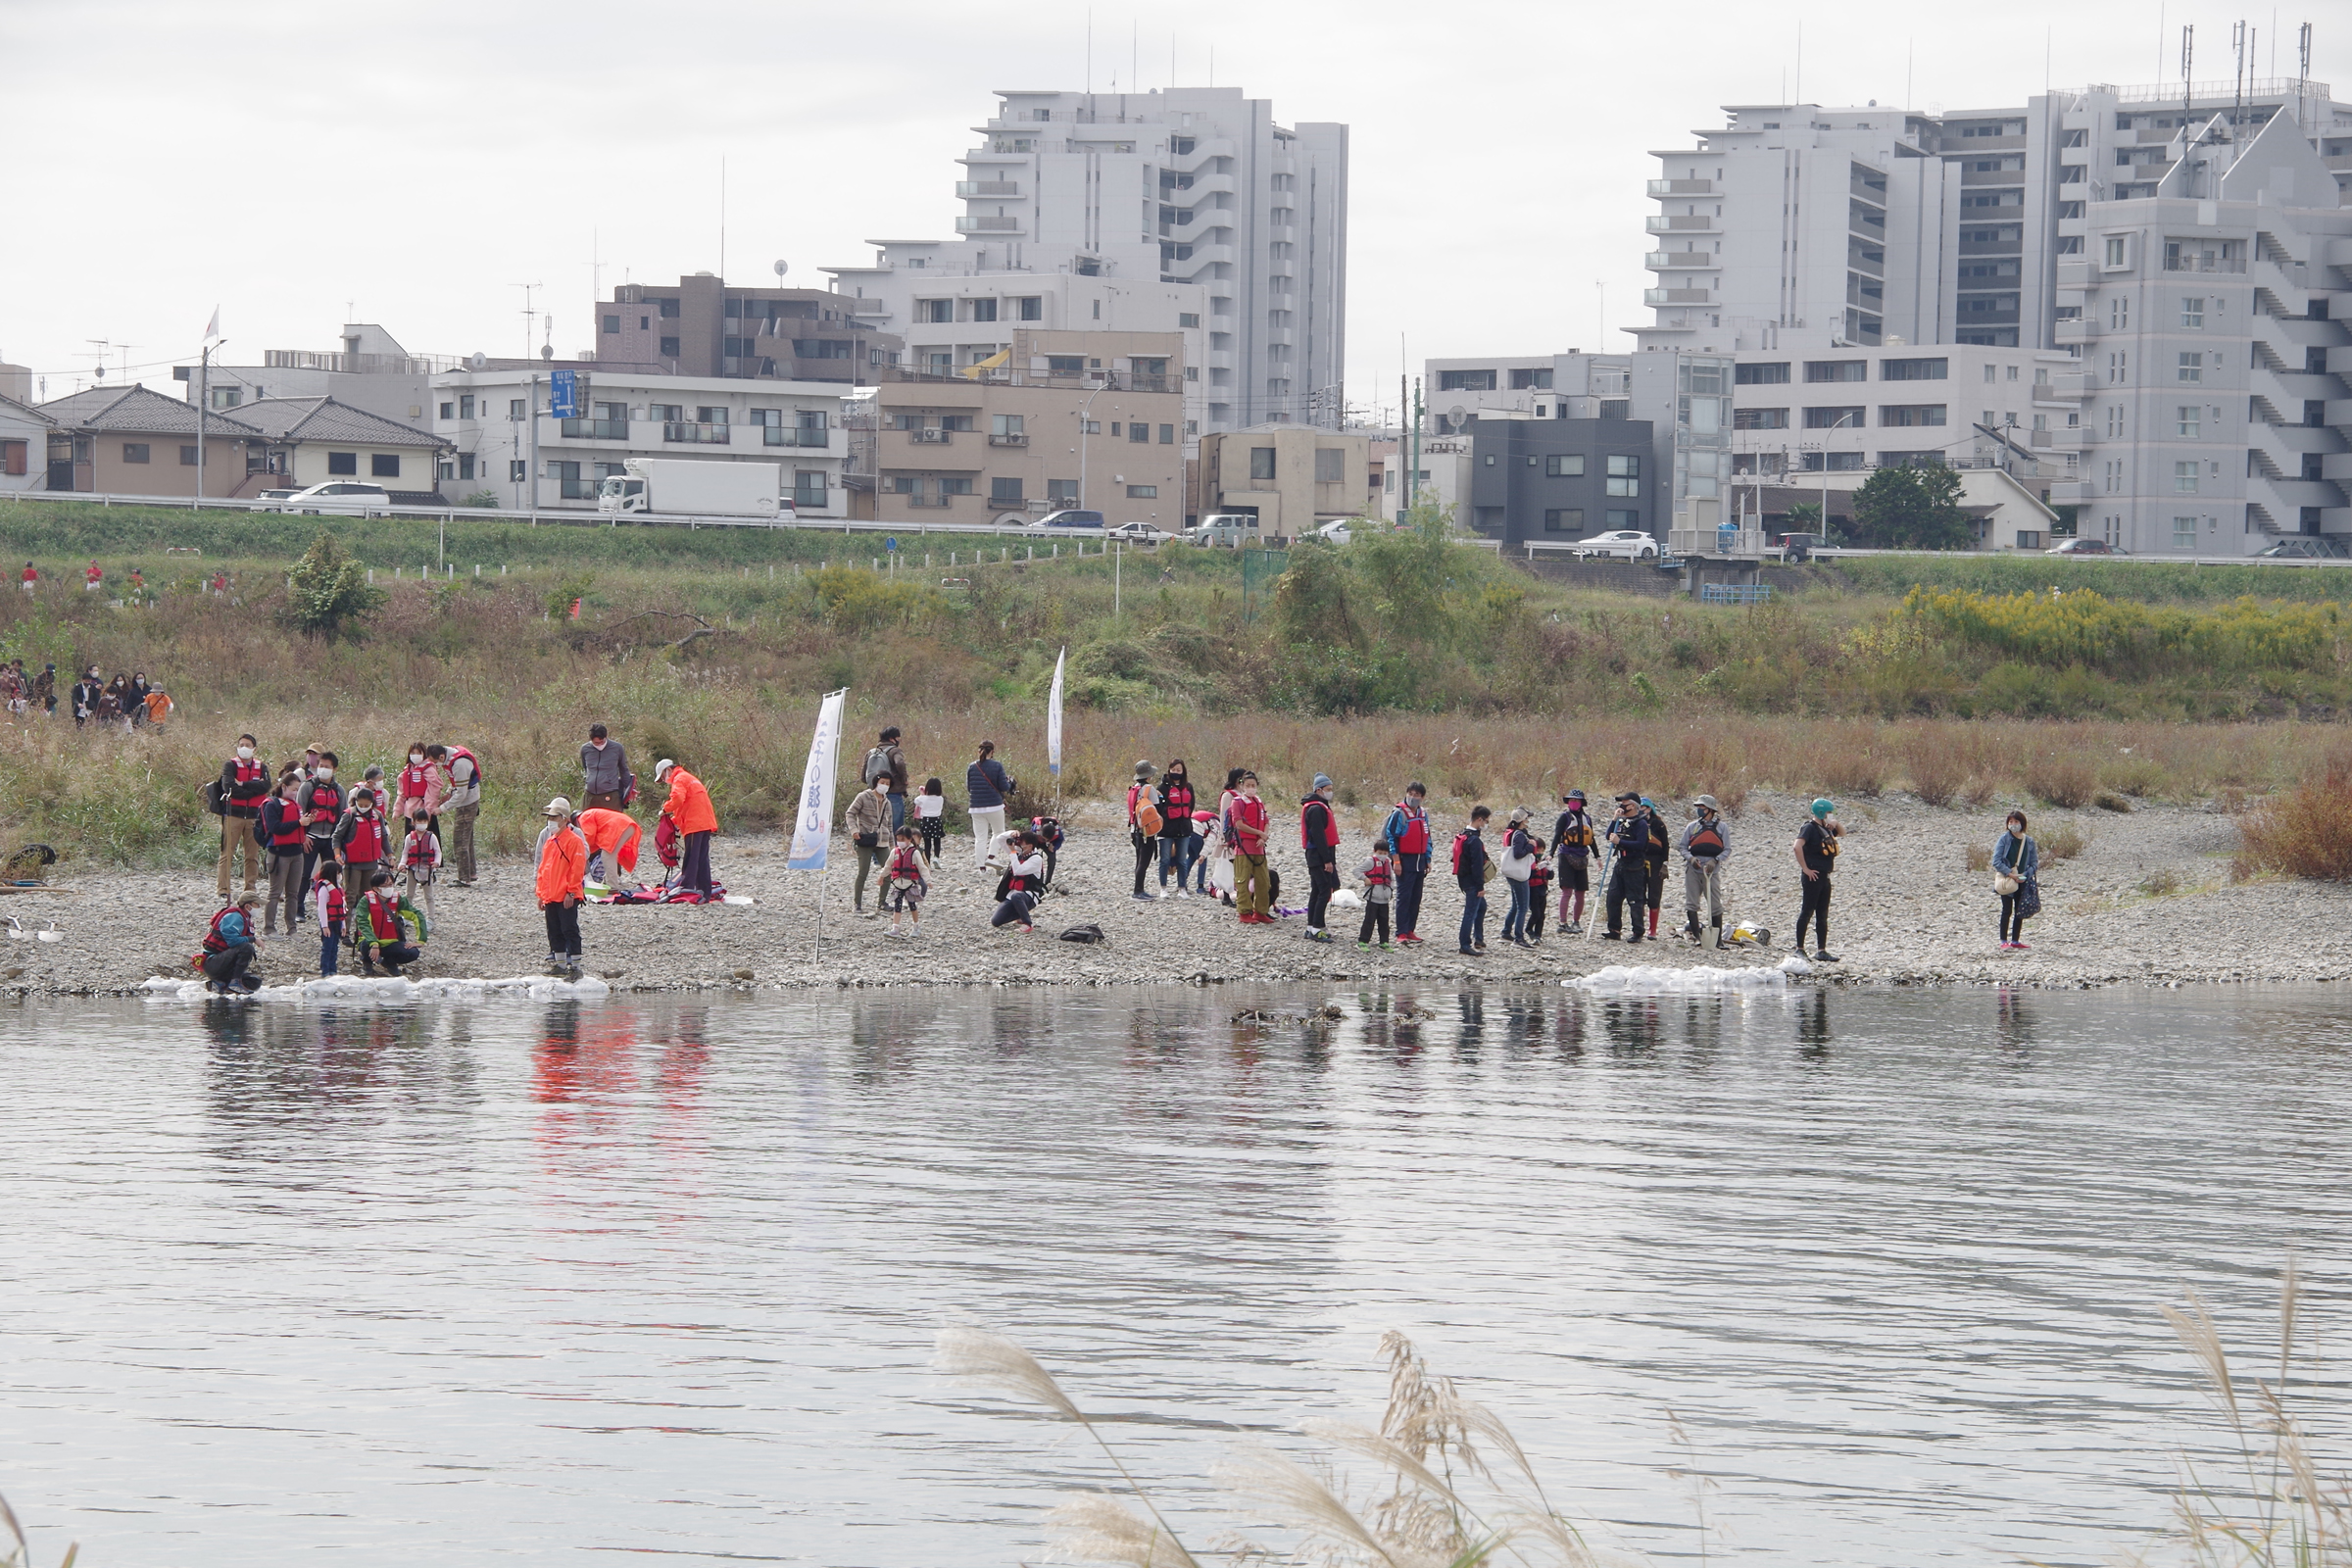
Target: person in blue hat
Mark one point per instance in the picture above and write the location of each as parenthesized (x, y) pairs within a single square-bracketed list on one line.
[(1816, 851), (1319, 837)]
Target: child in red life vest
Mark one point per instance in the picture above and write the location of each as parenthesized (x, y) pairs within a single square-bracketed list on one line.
[(362, 843), (419, 858), (1379, 876), (1538, 889), (381, 932), (904, 883), (328, 905)]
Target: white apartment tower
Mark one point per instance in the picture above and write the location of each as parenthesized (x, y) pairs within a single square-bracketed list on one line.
[(1870, 227), (1182, 186)]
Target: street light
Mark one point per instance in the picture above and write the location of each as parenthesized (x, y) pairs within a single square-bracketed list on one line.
[(1099, 390), (1823, 447)]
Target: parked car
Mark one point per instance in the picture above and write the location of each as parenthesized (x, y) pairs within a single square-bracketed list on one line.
[(1227, 529), (2086, 547), (1069, 518), (342, 497), (1792, 547), (1630, 543), (1337, 533), (270, 498), (2308, 546), (1138, 533)]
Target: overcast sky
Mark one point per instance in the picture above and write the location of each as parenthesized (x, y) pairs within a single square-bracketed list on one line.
[(418, 160)]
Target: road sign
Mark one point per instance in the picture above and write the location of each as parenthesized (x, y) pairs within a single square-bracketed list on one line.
[(890, 543), (564, 399)]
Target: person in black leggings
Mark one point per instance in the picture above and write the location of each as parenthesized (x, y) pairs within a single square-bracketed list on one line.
[(1816, 851)]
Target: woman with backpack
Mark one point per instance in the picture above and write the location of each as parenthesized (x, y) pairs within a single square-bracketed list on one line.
[(1519, 853), (1144, 824), (2016, 863)]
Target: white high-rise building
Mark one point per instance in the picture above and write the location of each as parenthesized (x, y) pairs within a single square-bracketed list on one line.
[(1190, 186)]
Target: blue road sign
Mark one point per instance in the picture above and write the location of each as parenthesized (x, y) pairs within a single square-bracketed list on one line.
[(564, 401), (890, 543)]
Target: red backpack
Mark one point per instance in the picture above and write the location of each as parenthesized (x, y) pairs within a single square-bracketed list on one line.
[(1459, 839)]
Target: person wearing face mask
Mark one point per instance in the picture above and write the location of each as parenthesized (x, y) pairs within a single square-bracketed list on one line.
[(603, 770), (321, 805), (416, 786), (244, 781), (85, 696), (1178, 843), (362, 844), (464, 803)]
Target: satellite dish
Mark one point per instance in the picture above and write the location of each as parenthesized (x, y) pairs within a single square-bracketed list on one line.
[(782, 267), (478, 360)]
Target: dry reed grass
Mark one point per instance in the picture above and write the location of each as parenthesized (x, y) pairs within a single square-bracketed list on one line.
[(2061, 843), (15, 1552), (2305, 831)]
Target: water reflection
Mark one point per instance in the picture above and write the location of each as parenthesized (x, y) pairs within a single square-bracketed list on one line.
[(659, 1276)]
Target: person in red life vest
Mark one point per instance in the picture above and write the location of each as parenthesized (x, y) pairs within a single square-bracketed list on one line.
[(1247, 824), (322, 804), (1539, 894), (462, 802), (361, 843), (1379, 876), (379, 932), (92, 577), (613, 840), (1406, 834), (416, 784), (1177, 841), (328, 908), (220, 583), (420, 859), (689, 807), (244, 782), (904, 883), (1143, 822), (31, 578), (562, 870), (1319, 837), (230, 950), (1024, 879), (281, 828)]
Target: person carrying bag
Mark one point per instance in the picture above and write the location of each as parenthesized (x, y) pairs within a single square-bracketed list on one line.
[(2016, 866)]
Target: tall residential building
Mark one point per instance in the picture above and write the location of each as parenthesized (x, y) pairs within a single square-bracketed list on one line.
[(1190, 186), (703, 325), (1883, 225)]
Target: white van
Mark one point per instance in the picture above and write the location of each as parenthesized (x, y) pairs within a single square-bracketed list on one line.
[(1230, 530)]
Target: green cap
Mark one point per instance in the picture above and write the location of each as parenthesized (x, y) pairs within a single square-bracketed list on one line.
[(1824, 807)]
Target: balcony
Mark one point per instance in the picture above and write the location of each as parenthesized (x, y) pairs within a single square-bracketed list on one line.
[(1674, 222), (1669, 261), (917, 500), (931, 438), (2204, 263), (1682, 187), (988, 187), (795, 435), (1007, 225), (1992, 176), (596, 429), (864, 306), (1008, 440), (691, 433), (1677, 296)]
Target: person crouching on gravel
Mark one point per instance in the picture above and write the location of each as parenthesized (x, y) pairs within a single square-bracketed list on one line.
[(382, 934), (1706, 848), (1023, 878), (2016, 863), (1816, 851), (614, 836), (230, 948)]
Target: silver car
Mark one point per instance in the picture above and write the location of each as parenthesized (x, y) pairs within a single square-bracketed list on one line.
[(339, 498), (1630, 543)]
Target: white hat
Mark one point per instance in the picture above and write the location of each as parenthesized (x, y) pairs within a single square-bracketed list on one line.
[(663, 767), (559, 807)]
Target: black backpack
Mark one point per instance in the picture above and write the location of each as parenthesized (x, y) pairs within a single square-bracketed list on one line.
[(1084, 933)]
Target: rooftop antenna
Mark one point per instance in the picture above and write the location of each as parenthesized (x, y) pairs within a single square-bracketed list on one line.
[(2238, 80), (2188, 55), (722, 221), (101, 345), (596, 265), (530, 316), (2302, 69)]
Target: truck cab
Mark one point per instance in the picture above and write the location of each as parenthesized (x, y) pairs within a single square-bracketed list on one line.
[(620, 493)]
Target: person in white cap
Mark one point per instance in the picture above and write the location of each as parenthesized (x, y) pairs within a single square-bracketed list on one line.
[(1707, 846), (562, 868)]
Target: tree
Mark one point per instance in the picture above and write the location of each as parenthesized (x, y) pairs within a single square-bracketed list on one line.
[(1913, 508), (1407, 571), (328, 590), (1311, 605)]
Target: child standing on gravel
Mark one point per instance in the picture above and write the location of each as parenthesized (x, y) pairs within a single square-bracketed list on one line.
[(904, 883), (1379, 876), (419, 858), (328, 903), (930, 815)]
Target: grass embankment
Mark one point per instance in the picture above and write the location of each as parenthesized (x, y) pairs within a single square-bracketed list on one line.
[(1392, 657), (2149, 582)]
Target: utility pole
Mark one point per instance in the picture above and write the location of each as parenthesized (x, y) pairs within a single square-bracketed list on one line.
[(1413, 468)]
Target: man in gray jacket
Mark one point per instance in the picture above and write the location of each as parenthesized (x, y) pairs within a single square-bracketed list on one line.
[(605, 769), (1705, 844)]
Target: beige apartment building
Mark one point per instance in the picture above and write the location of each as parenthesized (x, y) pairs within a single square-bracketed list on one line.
[(1067, 420), (1292, 477)]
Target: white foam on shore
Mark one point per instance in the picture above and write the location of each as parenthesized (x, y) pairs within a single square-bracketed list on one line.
[(1643, 980), (388, 991)]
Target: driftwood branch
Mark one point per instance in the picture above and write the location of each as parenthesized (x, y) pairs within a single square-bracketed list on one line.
[(702, 627)]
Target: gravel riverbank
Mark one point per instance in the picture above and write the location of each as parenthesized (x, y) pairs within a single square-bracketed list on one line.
[(2147, 900)]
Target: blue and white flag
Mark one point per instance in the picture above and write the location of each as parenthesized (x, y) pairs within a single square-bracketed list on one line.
[(1054, 718), (812, 832)]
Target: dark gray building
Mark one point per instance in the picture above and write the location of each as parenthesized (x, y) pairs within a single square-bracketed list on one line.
[(1559, 479)]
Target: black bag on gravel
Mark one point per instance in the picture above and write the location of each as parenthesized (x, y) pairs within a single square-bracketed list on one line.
[(1084, 933)]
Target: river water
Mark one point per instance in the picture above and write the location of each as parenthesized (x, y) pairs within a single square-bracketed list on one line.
[(520, 1280)]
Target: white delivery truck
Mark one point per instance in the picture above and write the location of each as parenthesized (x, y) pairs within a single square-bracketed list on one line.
[(686, 487)]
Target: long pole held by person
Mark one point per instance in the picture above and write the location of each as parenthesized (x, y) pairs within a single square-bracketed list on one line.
[(813, 829)]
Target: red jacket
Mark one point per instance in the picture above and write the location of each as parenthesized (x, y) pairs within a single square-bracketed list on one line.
[(1249, 826)]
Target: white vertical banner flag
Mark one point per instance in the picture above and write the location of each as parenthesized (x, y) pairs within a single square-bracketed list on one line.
[(1054, 718), (812, 832)]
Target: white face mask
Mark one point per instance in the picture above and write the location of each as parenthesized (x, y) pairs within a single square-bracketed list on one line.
[(414, 758), (244, 753), (326, 772)]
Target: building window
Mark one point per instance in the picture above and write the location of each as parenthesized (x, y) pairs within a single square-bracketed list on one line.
[(2192, 311), (667, 308), (1261, 463), (670, 348), (983, 309), (955, 422), (809, 487), (1625, 487), (1834, 419), (1167, 435), (2192, 416), (1759, 419), (611, 323), (14, 457), (2119, 317), (465, 406), (446, 469), (448, 410), (1188, 317), (187, 457), (518, 470), (1622, 518), (1139, 431), (2115, 250), (1033, 309), (1009, 428), (1331, 465), (1836, 370), (1761, 374), (1899, 415), (1621, 466), (1525, 380), (383, 464), (954, 486), (1005, 492), (1914, 369), (515, 410), (343, 463), (228, 397), (1564, 466), (1465, 380), (906, 484), (1116, 427), (2184, 477), (935, 310), (1564, 519), (2192, 366), (465, 464), (1143, 492), (666, 412), (134, 451), (1061, 492), (2184, 533)]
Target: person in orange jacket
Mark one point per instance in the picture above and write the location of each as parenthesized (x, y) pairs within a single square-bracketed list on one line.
[(612, 835), (562, 867), (689, 811)]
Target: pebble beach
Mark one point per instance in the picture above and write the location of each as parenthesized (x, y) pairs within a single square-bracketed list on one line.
[(2149, 899)]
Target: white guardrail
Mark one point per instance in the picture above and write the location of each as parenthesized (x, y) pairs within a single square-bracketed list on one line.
[(564, 517)]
